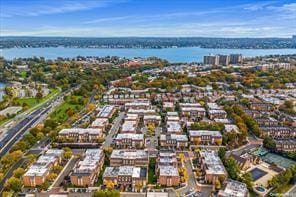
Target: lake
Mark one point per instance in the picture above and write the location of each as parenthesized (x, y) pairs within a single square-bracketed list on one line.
[(189, 54), (2, 93)]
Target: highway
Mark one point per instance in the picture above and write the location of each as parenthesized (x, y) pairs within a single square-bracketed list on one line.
[(14, 134)]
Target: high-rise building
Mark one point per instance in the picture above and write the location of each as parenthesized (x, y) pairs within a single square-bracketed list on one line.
[(236, 58), (294, 37), (224, 60), (211, 60)]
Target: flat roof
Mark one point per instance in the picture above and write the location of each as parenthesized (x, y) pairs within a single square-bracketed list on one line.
[(204, 132), (234, 188), (213, 163), (132, 136), (99, 122), (134, 172), (106, 111), (173, 127), (80, 131), (176, 137), (168, 171), (129, 154), (129, 126)]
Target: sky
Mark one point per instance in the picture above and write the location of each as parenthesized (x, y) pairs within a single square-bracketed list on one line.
[(155, 18)]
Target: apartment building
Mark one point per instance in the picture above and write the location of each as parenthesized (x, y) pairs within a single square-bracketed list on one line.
[(260, 106), (100, 123), (235, 58), (129, 140), (205, 137), (192, 111), (167, 158), (211, 165), (174, 127), (121, 157), (141, 112), (86, 170), (168, 176), (36, 175), (129, 127), (173, 141), (279, 132), (233, 188), (267, 122), (287, 145), (152, 119), (107, 112), (138, 105), (217, 113), (126, 176), (80, 135), (231, 128)]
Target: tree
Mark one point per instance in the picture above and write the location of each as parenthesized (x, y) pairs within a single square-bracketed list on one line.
[(217, 184), (9, 159), (232, 168), (67, 153), (13, 184), (269, 143), (108, 151), (151, 129), (248, 180), (109, 184), (18, 172)]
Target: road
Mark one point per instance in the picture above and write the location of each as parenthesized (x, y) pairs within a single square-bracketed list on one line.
[(191, 184), (67, 169), (14, 134), (114, 129)]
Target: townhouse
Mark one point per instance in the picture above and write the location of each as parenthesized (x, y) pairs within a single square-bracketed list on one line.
[(287, 145), (129, 127), (279, 132), (86, 170), (107, 112), (211, 165), (100, 123), (80, 135), (174, 127), (260, 106), (231, 128), (167, 168), (138, 105), (192, 111), (121, 157), (233, 188), (129, 140), (125, 176), (152, 119), (205, 137), (217, 113), (37, 173), (173, 141), (267, 122)]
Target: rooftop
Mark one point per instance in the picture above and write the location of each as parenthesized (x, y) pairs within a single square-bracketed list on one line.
[(204, 132), (129, 154), (168, 171), (81, 131), (132, 136), (234, 188)]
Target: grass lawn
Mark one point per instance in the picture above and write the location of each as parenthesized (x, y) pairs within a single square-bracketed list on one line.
[(32, 102), (60, 114)]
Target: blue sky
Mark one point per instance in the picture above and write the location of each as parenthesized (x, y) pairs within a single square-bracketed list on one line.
[(108, 18)]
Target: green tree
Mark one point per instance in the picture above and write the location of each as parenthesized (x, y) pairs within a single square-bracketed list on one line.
[(13, 184), (18, 172)]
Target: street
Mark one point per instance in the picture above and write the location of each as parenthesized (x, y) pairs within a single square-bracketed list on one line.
[(191, 184), (114, 129)]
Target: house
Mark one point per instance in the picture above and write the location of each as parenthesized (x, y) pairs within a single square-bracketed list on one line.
[(279, 132), (37, 173), (217, 113), (80, 135), (121, 157), (152, 119), (138, 105), (100, 123), (167, 158), (254, 113), (173, 141), (287, 145), (192, 111), (232, 188), (129, 127), (174, 128), (231, 128), (107, 112), (260, 106), (245, 161), (168, 106), (168, 176), (267, 122), (129, 140), (211, 165), (141, 112), (86, 170), (205, 137), (125, 176)]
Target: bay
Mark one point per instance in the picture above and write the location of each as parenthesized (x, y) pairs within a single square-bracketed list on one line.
[(188, 54)]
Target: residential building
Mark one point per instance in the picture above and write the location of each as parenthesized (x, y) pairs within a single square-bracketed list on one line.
[(267, 122), (217, 113), (37, 173), (173, 141), (231, 128), (279, 132), (86, 170), (129, 127), (224, 60), (174, 128), (100, 123), (167, 158), (211, 165), (152, 119), (129, 140), (80, 135), (205, 137), (288, 145), (168, 176), (138, 105), (260, 106), (107, 112), (245, 161), (236, 58), (125, 176), (192, 111), (121, 157), (232, 188), (211, 60)]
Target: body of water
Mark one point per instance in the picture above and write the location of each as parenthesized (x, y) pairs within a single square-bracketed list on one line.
[(2, 93), (189, 54)]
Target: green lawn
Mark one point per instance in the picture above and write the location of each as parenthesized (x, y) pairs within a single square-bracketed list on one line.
[(32, 102), (60, 114)]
